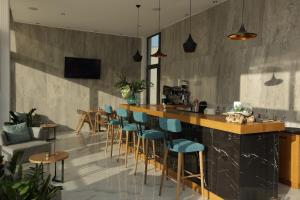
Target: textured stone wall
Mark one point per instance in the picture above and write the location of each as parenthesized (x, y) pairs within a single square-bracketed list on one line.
[(38, 70), (4, 61), (222, 71)]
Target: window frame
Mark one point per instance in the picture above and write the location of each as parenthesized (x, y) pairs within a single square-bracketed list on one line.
[(153, 66)]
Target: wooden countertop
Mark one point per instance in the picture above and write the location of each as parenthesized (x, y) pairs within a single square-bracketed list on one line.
[(209, 121)]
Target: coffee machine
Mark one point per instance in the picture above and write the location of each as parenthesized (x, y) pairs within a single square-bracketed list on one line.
[(177, 95)]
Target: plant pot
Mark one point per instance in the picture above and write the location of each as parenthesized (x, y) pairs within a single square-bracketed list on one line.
[(133, 100)]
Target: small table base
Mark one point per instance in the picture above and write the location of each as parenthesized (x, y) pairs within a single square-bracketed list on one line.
[(55, 179)]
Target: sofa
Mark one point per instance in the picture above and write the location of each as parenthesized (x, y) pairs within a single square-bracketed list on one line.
[(36, 144)]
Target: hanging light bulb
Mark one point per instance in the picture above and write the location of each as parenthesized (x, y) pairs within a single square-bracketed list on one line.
[(158, 53), (242, 34), (137, 56), (190, 45)]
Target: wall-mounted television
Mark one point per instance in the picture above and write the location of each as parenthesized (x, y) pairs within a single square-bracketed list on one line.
[(84, 68)]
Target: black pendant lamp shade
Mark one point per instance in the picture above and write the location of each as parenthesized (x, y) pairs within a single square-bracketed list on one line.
[(137, 56), (158, 53), (190, 45), (242, 34)]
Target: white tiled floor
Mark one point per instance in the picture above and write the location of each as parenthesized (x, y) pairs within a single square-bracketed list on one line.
[(90, 174)]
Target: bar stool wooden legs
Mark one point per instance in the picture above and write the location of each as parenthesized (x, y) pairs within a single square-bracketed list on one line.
[(201, 172), (164, 170), (127, 134), (110, 135), (180, 173), (146, 155)]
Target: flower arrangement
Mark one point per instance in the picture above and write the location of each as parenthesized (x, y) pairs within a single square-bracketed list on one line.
[(129, 89)]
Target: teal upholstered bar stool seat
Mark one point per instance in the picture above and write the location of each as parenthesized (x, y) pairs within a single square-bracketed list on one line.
[(180, 146), (125, 129), (147, 136)]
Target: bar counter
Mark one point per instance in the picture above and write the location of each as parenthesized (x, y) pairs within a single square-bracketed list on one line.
[(241, 161), (209, 121)]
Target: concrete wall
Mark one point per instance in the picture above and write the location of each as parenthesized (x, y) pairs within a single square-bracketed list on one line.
[(38, 79), (222, 71), (4, 61)]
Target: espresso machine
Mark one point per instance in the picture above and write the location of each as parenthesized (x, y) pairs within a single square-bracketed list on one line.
[(177, 95)]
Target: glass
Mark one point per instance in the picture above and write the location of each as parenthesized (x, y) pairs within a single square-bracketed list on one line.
[(153, 89), (153, 45)]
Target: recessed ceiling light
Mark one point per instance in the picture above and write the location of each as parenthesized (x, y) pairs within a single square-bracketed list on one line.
[(33, 8)]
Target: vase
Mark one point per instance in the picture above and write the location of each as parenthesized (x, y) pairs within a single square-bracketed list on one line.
[(132, 100)]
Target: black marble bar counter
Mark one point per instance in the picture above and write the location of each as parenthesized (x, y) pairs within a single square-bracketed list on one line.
[(237, 166)]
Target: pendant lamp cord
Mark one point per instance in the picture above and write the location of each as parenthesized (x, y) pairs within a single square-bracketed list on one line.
[(138, 21), (158, 15), (190, 16), (243, 11)]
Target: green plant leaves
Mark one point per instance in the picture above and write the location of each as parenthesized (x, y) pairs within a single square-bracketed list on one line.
[(131, 88), (30, 187)]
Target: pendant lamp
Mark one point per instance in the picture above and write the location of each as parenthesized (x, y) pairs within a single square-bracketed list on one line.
[(190, 46), (158, 53), (137, 56), (242, 34)]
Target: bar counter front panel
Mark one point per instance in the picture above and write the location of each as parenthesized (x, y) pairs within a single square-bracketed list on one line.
[(238, 165)]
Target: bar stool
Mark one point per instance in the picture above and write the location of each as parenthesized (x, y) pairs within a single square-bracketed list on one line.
[(180, 146), (147, 135), (125, 129), (112, 124)]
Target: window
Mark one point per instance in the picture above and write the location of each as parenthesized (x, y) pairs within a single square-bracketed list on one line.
[(153, 69)]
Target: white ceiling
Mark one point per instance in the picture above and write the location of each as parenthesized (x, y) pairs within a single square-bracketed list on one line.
[(116, 17)]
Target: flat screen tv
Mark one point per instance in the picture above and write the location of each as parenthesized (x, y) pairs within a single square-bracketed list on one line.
[(85, 68)]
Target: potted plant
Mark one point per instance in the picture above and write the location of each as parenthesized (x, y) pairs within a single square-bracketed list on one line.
[(13, 185), (130, 89), (18, 118)]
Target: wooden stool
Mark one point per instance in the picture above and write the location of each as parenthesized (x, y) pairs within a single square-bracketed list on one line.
[(125, 129), (112, 124), (181, 146), (147, 135)]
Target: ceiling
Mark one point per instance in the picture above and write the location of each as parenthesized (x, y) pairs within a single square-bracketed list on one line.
[(117, 17)]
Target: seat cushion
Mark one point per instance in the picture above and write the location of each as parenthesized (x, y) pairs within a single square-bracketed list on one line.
[(114, 122), (17, 133), (130, 127), (152, 134), (185, 146), (28, 149)]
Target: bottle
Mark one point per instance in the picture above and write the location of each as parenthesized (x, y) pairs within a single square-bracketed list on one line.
[(218, 111)]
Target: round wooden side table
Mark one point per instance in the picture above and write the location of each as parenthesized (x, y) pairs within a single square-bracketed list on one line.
[(42, 159)]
